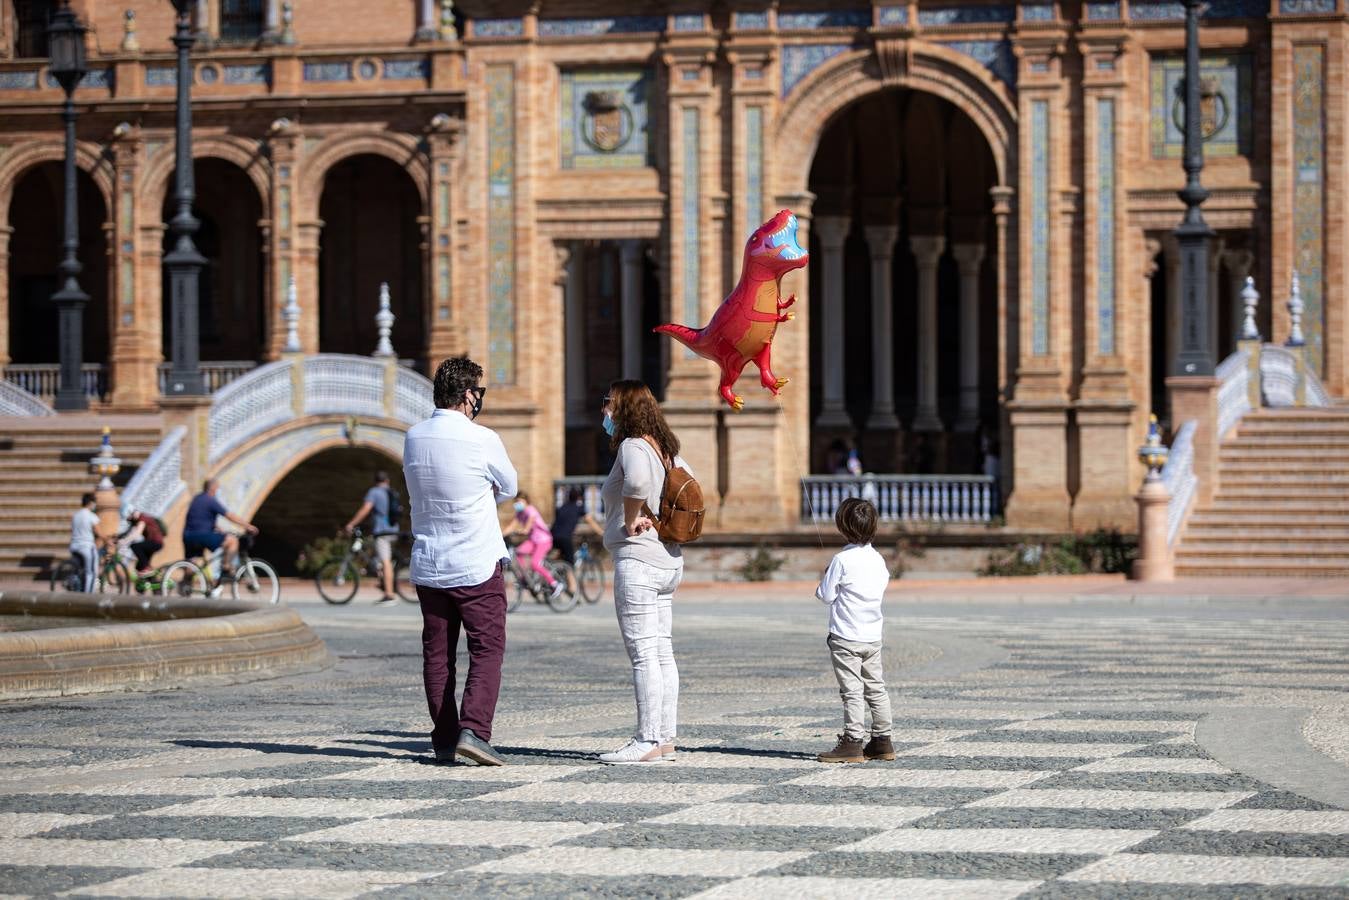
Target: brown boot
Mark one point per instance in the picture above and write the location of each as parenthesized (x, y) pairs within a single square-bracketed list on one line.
[(847, 750), (879, 747)]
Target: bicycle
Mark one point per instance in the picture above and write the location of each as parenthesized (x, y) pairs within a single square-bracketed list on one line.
[(155, 581), (251, 579), (339, 579), (113, 575), (589, 573), (521, 582)]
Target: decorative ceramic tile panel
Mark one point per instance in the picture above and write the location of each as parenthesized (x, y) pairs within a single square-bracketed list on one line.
[(1173, 11), (498, 28), (1037, 12), (894, 15), (593, 27), (754, 206), (799, 60), (1105, 226), (18, 81), (1109, 11), (996, 55), (828, 18), (690, 210), (605, 118), (1149, 11), (965, 15), (751, 21), (1306, 7), (94, 78), (406, 69), (1039, 199), (1309, 154), (328, 71), (1226, 106), (160, 76), (252, 73), (500, 82), (689, 22)]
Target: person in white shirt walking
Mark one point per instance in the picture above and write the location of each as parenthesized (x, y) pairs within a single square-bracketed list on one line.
[(85, 539), (457, 472), (853, 587)]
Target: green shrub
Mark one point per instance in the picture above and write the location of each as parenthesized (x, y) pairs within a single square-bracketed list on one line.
[(319, 551), (761, 564), (1100, 551), (908, 548)]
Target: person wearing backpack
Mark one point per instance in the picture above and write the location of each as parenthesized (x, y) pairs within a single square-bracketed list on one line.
[(385, 509), (648, 476), (144, 537)]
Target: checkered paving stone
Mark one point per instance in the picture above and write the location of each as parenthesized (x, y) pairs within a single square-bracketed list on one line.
[(1011, 781)]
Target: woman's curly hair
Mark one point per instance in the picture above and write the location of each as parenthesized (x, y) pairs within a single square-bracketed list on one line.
[(636, 414)]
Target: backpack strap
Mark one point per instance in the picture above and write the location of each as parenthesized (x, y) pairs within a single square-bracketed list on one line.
[(659, 455)]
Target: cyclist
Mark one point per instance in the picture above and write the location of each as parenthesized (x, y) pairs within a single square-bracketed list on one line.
[(144, 538), (85, 540), (200, 533), (382, 505), (538, 541), (565, 519)]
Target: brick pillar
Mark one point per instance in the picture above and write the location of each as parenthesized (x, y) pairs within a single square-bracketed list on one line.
[(1196, 397), (5, 232), (443, 306), (280, 241)]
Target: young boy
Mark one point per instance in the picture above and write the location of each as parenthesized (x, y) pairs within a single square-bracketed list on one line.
[(853, 586)]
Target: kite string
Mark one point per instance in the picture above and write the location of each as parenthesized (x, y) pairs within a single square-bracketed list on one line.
[(803, 468)]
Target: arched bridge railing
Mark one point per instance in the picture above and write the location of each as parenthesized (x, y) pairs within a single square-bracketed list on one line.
[(159, 480), (325, 384)]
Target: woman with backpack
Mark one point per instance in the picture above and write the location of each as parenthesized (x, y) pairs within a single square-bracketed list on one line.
[(648, 563)]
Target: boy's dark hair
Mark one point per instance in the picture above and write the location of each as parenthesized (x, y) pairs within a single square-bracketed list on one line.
[(856, 520), (454, 376), (86, 499)]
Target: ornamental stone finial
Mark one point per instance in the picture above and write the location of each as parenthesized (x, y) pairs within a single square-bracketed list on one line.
[(384, 322), (287, 21), (447, 30), (130, 43), (1153, 453), (1250, 299), (291, 313), (1295, 309), (106, 462)]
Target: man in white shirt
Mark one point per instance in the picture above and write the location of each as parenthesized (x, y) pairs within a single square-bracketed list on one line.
[(457, 472), (85, 539)]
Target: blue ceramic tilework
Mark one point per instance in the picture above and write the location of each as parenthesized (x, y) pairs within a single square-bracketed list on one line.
[(1037, 12), (1228, 111), (159, 76), (1173, 11), (690, 210), (829, 18), (996, 55), (593, 27), (1110, 11), (1039, 223), (613, 139), (251, 73), (751, 21), (18, 81), (1236, 9), (498, 28), (965, 15), (500, 83), (1306, 7), (327, 71), (94, 78), (799, 60), (754, 117), (688, 22), (406, 69), (1309, 154), (1105, 226), (894, 15)]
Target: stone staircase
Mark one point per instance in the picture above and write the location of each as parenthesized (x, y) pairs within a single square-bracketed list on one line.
[(1282, 504), (44, 468)]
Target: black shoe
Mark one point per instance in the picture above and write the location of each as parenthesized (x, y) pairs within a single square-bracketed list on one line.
[(475, 749), (445, 756)]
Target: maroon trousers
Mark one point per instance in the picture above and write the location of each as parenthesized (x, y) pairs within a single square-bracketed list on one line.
[(481, 610)]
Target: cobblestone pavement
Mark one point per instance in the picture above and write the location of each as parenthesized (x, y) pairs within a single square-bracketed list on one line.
[(1057, 750)]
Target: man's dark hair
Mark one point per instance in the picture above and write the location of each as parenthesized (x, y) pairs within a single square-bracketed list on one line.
[(454, 376), (381, 477), (856, 520), (86, 499)]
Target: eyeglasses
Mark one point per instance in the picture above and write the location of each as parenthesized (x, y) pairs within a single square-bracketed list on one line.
[(605, 401)]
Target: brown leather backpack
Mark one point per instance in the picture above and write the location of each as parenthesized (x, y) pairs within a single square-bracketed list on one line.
[(681, 504)]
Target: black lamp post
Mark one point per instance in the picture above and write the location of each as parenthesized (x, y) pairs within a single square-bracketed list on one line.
[(183, 261), (1193, 234), (67, 65)]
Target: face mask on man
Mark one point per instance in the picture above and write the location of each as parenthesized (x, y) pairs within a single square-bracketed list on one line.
[(608, 425), (477, 394), (519, 506)]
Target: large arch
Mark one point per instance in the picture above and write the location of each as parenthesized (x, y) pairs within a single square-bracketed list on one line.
[(926, 67), (242, 152), (88, 157), (401, 149)]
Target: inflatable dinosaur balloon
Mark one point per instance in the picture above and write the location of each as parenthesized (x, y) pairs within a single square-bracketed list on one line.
[(743, 326)]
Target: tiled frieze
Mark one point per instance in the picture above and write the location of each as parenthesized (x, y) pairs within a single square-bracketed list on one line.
[(563, 28), (799, 60), (1309, 154), (997, 56), (754, 201), (1105, 226), (500, 84), (966, 15), (498, 28), (604, 118), (824, 18), (1226, 105)]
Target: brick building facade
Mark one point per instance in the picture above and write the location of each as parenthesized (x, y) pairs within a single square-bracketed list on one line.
[(986, 189)]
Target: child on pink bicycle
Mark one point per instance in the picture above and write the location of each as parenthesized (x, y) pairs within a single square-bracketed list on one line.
[(537, 543)]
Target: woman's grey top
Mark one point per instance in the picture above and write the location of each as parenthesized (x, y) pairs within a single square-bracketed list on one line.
[(638, 472)]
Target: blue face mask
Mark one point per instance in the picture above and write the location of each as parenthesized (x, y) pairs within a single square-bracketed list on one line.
[(519, 506), (608, 424)]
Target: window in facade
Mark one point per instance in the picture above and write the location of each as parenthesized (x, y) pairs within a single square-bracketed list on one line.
[(31, 18), (241, 21)]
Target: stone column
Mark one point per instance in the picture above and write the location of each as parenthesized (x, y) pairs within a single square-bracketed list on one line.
[(1238, 264), (927, 249), (970, 258), (1215, 259), (570, 259), (630, 319), (134, 346), (5, 232), (1172, 250), (833, 232), (881, 241), (307, 284)]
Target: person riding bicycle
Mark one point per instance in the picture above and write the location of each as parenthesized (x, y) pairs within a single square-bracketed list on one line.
[(144, 537), (85, 540), (383, 506), (565, 519), (538, 541), (200, 534)]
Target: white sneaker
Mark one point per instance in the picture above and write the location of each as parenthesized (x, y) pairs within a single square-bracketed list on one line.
[(558, 588), (633, 752)]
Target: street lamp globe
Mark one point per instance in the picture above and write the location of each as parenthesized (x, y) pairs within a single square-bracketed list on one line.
[(65, 37)]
